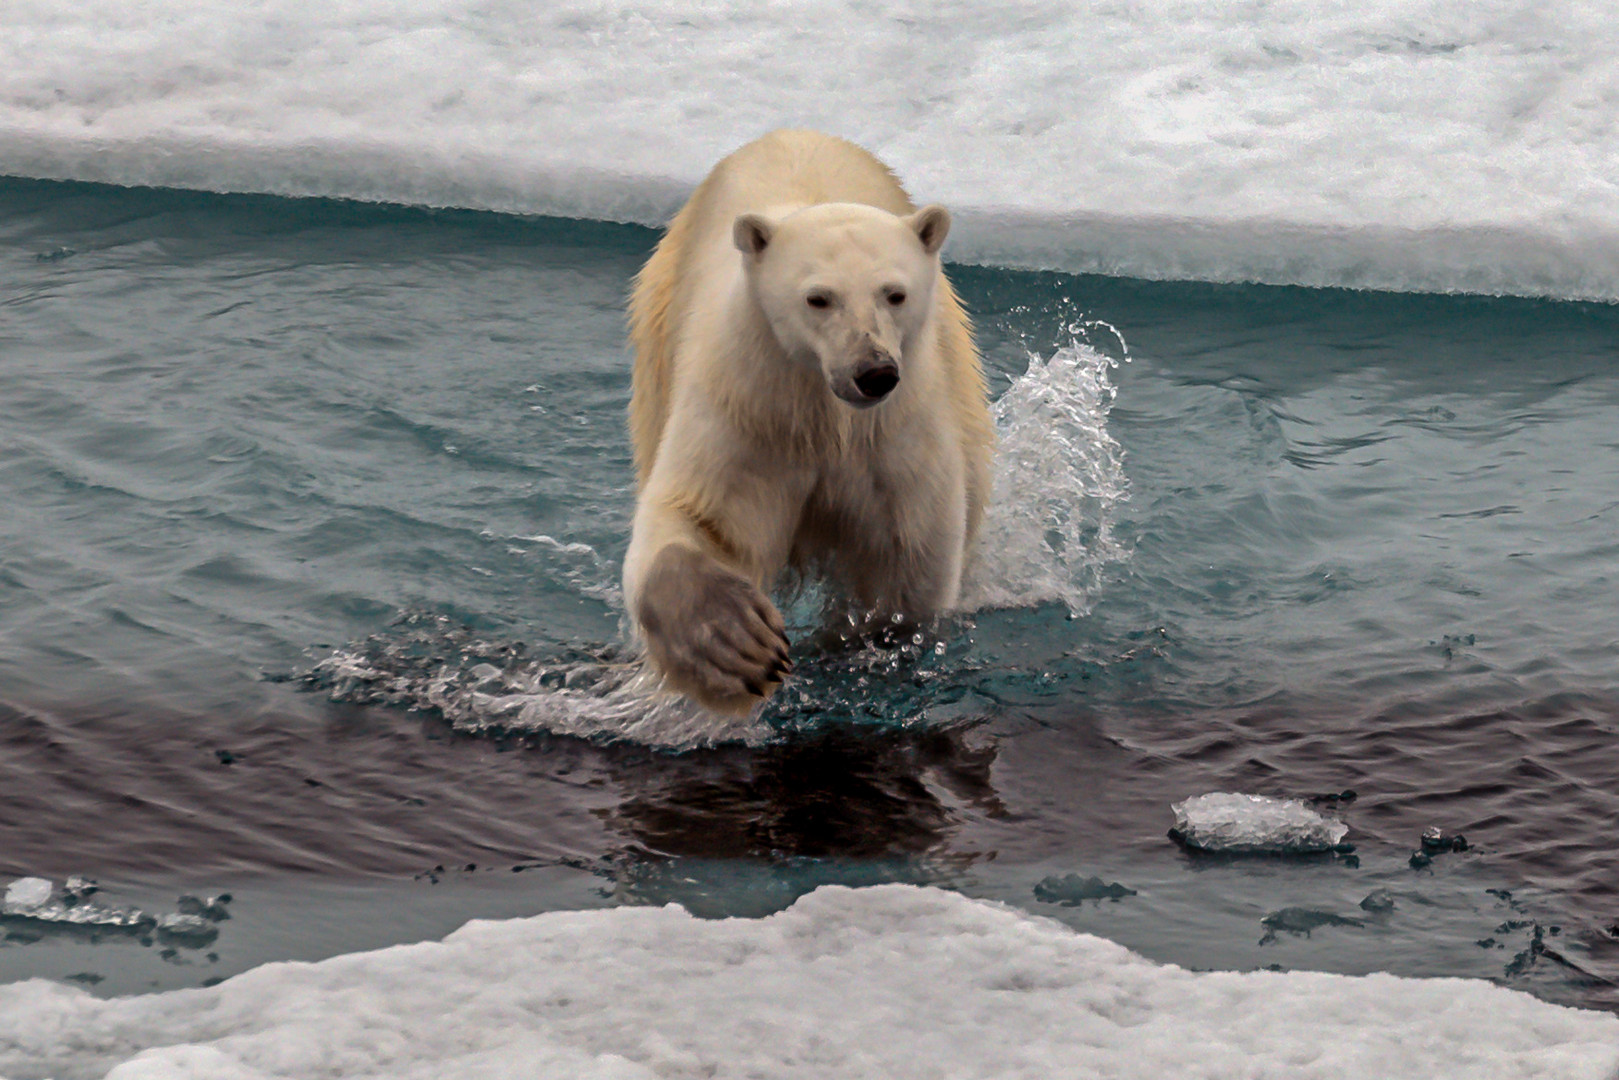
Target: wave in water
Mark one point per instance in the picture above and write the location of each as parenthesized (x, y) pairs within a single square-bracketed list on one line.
[(1047, 539)]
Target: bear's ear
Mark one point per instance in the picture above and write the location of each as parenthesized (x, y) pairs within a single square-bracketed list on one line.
[(752, 233), (932, 225)]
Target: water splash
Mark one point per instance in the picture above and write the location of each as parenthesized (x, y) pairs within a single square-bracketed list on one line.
[(483, 686), (1059, 478), (494, 687)]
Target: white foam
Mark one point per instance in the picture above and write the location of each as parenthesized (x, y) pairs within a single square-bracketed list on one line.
[(892, 981), (1401, 144)]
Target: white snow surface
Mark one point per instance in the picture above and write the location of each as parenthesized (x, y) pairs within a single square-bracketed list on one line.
[(894, 981), (1396, 144)]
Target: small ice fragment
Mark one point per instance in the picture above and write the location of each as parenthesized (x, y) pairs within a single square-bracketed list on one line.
[(1254, 824), (1433, 838), (78, 888), (27, 893), (1302, 920), (191, 931), (213, 909), (1378, 902), (1071, 890)]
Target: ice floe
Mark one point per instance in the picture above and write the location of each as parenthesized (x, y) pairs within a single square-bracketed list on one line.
[(890, 981)]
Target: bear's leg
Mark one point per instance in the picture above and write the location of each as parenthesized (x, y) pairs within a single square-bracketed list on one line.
[(906, 557), (710, 631)]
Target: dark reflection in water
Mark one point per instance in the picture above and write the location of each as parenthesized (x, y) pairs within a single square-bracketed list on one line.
[(285, 788), (848, 795), (372, 792), (746, 832)]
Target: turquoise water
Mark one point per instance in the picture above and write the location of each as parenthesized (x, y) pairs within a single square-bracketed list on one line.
[(1368, 543)]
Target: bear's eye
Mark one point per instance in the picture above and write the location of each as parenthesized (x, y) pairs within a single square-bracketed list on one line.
[(897, 297), (820, 301)]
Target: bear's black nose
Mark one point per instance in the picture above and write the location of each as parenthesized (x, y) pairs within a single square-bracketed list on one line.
[(877, 381)]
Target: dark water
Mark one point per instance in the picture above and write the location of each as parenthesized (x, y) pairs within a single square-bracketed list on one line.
[(1372, 543)]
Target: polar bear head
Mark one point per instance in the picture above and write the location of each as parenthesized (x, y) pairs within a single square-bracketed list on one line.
[(847, 288)]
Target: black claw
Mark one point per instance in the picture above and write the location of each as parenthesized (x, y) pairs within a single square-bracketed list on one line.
[(754, 688)]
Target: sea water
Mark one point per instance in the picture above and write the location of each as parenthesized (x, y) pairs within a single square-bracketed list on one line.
[(314, 513)]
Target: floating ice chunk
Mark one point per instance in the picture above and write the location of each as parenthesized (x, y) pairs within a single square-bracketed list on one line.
[(34, 903), (77, 888), (188, 931), (1071, 890), (1378, 902), (1253, 824), (27, 893), (1435, 840), (1301, 921), (214, 908)]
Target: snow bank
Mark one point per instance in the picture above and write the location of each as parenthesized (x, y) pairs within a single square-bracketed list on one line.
[(893, 981), (1402, 144)]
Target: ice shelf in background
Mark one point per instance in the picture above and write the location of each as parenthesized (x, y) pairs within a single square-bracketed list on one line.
[(1223, 821), (1396, 144), (891, 981)]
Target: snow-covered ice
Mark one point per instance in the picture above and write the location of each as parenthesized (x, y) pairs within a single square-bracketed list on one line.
[(1401, 144), (892, 981), (1225, 821)]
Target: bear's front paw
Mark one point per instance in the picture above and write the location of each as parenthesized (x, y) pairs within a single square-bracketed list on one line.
[(710, 632)]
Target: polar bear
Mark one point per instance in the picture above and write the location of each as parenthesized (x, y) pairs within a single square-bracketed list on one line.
[(806, 395)]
